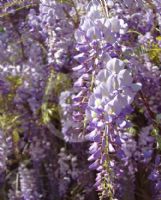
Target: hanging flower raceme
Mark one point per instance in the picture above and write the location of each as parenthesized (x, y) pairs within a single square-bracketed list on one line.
[(96, 38), (107, 108)]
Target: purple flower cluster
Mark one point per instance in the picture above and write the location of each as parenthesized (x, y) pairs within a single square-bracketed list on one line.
[(80, 99), (107, 108)]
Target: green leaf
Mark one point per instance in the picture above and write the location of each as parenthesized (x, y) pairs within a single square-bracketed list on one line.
[(15, 135), (158, 38), (2, 29), (158, 138), (154, 132), (16, 81)]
